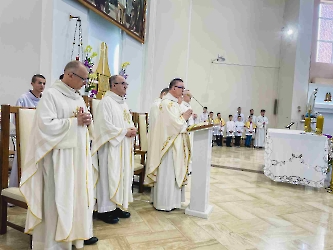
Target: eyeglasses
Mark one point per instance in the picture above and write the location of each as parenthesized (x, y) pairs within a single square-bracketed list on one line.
[(85, 80), (123, 83), (180, 87)]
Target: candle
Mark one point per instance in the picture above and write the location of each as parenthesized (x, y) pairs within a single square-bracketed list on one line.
[(320, 125), (307, 124)]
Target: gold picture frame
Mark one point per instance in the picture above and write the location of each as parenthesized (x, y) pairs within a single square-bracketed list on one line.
[(128, 15)]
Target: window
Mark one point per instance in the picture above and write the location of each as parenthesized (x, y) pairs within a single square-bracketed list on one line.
[(325, 34)]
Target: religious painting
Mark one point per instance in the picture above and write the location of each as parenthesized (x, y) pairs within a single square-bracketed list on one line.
[(128, 15)]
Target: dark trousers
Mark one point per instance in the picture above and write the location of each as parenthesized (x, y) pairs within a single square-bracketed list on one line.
[(237, 141), (248, 141), (219, 140), (228, 141)]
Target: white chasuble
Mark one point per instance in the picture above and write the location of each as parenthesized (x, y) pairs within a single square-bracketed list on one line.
[(184, 106), (153, 113), (115, 153), (169, 155), (261, 131), (58, 178)]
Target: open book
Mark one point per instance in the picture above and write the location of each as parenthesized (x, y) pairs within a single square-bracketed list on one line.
[(199, 126)]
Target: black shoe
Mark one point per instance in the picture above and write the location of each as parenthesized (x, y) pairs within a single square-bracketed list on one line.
[(91, 241), (108, 218), (120, 213)]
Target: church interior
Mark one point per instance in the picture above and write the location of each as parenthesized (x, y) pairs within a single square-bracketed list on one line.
[(264, 64)]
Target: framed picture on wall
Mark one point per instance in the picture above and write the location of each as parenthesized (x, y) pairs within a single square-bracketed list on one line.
[(128, 15)]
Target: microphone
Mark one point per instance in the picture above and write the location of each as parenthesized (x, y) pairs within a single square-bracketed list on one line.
[(197, 101), (290, 124)]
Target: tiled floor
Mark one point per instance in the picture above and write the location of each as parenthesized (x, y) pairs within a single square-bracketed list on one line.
[(239, 158), (250, 212)]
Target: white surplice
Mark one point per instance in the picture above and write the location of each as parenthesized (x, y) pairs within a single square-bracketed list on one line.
[(239, 128), (58, 178), (230, 127), (203, 117), (169, 156), (115, 153), (261, 131)]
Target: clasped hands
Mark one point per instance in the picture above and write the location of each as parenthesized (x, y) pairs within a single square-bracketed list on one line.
[(131, 132), (83, 118)]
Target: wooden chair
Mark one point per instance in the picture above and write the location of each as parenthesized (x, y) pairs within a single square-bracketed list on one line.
[(141, 122), (23, 121)]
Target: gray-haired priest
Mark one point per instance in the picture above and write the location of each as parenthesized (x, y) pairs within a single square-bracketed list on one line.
[(169, 151), (114, 132), (58, 176)]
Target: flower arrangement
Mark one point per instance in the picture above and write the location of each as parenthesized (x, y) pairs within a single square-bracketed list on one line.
[(90, 85), (123, 70)]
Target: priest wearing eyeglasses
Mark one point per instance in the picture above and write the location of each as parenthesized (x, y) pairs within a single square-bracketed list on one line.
[(113, 144), (169, 151), (58, 177)]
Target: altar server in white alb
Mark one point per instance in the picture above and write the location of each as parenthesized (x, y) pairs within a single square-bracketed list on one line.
[(230, 129), (239, 129), (155, 106), (58, 177), (262, 122), (114, 132), (169, 152), (204, 115), (30, 99)]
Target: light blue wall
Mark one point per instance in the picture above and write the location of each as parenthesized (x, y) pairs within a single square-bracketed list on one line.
[(101, 30), (96, 30)]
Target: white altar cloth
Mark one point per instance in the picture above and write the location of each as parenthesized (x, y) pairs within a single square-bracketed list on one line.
[(297, 158)]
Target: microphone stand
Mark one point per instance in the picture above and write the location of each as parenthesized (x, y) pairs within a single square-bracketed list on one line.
[(197, 101)]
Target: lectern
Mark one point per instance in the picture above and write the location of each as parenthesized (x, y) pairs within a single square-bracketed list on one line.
[(200, 178)]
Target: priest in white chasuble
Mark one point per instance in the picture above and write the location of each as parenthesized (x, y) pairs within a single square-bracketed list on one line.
[(185, 105), (169, 151), (262, 122), (155, 107), (113, 144), (58, 177)]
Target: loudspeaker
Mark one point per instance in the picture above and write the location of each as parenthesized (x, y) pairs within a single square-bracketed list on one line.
[(275, 107)]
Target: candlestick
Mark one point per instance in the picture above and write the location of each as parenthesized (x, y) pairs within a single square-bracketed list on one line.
[(307, 124), (320, 124)]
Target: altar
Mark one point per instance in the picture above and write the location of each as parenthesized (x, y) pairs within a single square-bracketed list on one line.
[(294, 157)]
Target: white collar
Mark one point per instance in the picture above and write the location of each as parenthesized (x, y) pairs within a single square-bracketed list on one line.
[(114, 96), (170, 97)]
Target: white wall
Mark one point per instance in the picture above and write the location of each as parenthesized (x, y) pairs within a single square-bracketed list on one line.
[(295, 62), (246, 33), (287, 62), (187, 35), (133, 52), (167, 52), (63, 33), (20, 46), (303, 60)]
